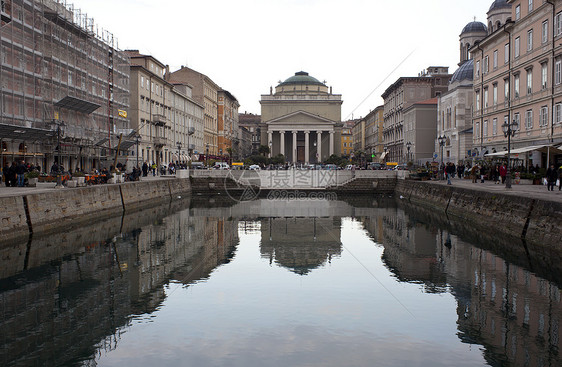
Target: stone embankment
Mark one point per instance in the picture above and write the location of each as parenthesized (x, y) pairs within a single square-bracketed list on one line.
[(48, 211), (531, 219)]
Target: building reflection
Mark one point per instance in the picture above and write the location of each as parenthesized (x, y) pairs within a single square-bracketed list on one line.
[(69, 308), (300, 244), (509, 309)]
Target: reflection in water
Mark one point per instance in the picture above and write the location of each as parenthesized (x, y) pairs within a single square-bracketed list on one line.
[(70, 298)]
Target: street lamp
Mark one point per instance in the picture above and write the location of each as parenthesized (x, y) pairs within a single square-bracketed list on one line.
[(408, 146), (137, 138), (207, 155), (179, 151), (509, 131), (442, 140), (59, 128)]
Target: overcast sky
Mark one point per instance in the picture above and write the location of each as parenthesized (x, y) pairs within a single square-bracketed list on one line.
[(359, 47)]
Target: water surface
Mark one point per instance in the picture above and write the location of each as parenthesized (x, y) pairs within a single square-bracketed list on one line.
[(279, 283)]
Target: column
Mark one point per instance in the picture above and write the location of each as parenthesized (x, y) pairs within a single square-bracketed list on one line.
[(306, 147), (294, 146), (319, 145), (270, 142), (331, 142), (282, 133)]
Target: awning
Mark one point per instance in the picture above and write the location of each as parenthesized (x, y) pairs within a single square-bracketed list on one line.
[(77, 104), (539, 148), (25, 133)]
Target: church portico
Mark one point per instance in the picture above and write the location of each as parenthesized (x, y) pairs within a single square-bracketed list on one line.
[(304, 127)]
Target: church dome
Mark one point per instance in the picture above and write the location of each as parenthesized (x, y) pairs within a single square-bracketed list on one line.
[(300, 78), (474, 27), (464, 72), (499, 4)]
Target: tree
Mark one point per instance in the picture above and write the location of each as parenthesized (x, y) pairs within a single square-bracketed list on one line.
[(264, 149)]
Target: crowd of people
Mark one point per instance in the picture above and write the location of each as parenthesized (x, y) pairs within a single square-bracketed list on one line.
[(497, 173), (14, 175)]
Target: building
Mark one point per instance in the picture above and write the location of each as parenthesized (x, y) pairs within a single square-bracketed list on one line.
[(244, 149), (187, 122), (347, 138), (419, 131), (227, 123), (373, 134), (402, 94), (205, 92), (358, 132), (518, 79), (64, 91), (455, 106), (302, 119), (251, 122)]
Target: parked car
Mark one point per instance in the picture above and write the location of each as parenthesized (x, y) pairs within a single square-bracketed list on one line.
[(197, 165), (254, 167), (221, 165), (377, 166), (400, 167), (330, 167), (349, 167)]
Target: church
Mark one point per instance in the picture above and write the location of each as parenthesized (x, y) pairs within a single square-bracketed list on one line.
[(302, 120)]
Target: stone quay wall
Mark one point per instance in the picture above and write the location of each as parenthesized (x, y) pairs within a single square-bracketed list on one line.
[(533, 220), (48, 211)]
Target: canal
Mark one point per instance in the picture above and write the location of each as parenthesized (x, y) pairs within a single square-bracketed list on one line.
[(358, 282)]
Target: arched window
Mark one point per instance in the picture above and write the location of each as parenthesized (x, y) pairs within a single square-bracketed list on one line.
[(22, 148), (467, 51), (498, 25), (490, 27), (4, 146)]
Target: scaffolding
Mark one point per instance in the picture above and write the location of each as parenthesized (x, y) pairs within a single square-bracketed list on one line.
[(57, 65)]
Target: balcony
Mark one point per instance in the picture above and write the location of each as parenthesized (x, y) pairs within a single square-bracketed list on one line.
[(159, 141), (159, 120)]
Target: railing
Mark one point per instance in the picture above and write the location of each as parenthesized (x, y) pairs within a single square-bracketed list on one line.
[(293, 179)]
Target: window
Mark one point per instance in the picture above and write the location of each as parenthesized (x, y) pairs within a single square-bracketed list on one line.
[(543, 116), (478, 68), (506, 53), (517, 119), (70, 78), (529, 81), (506, 120), (485, 128), (545, 31), (495, 59), (477, 101), (529, 119), (517, 43), (506, 88), (486, 65), (557, 71), (518, 12), (485, 97), (529, 40), (558, 113), (516, 85), (476, 129), (495, 93), (544, 75), (495, 126), (530, 6), (558, 24)]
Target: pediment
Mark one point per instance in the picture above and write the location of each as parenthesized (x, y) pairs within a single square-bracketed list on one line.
[(300, 117)]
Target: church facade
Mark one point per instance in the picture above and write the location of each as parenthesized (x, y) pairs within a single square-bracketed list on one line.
[(301, 120)]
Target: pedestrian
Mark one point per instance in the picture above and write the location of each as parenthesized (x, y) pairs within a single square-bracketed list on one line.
[(474, 172), (503, 172), (20, 172), (460, 170), (551, 177), (560, 178), (153, 167), (483, 171), (6, 174), (449, 171), (495, 173), (144, 169)]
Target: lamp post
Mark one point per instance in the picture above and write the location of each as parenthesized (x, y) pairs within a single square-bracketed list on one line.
[(509, 131), (137, 139), (408, 146), (442, 140), (207, 155), (59, 128), (178, 144)]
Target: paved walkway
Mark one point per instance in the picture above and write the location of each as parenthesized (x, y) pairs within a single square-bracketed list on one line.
[(529, 191)]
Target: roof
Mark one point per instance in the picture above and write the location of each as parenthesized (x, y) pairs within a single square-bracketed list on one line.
[(428, 101), (499, 4), (302, 77), (474, 27), (464, 72)]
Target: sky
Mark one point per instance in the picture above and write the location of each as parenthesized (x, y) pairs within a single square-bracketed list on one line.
[(359, 47)]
